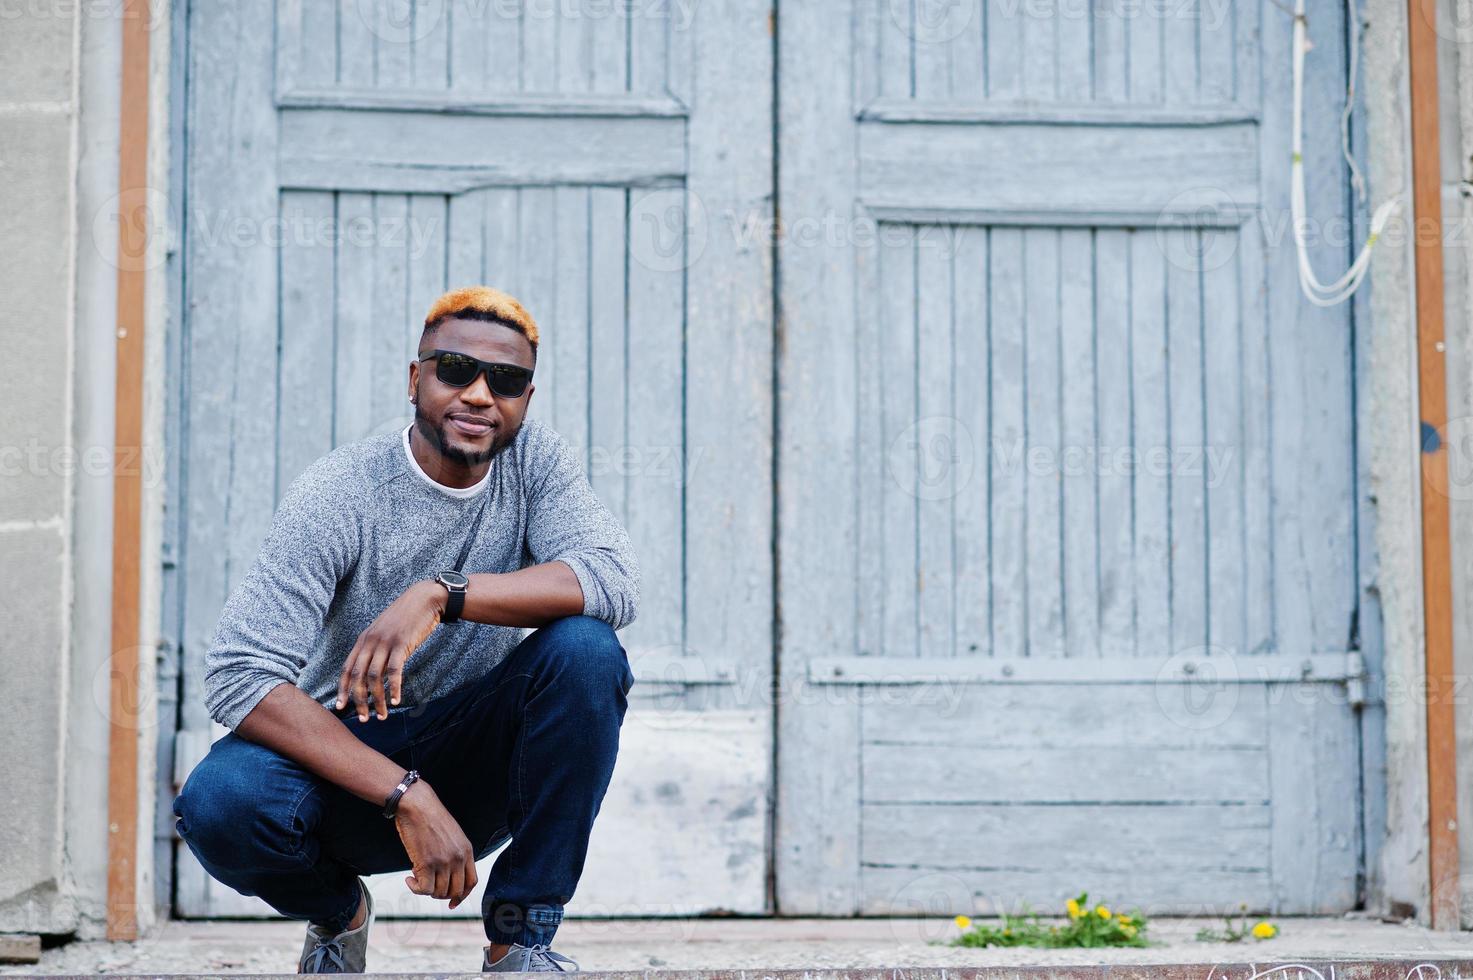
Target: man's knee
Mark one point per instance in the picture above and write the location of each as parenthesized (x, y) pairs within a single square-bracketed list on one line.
[(241, 796), (586, 646)]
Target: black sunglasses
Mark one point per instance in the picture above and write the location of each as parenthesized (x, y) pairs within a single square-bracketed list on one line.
[(459, 371)]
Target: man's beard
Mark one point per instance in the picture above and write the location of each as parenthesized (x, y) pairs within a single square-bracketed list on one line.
[(437, 437)]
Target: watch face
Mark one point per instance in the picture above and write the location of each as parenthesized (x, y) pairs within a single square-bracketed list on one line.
[(454, 580)]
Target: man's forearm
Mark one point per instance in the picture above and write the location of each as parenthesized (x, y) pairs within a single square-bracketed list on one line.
[(288, 721), (532, 596)]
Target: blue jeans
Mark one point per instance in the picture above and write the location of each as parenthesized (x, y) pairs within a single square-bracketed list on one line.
[(524, 753)]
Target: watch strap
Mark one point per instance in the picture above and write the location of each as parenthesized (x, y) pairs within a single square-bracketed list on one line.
[(453, 605)]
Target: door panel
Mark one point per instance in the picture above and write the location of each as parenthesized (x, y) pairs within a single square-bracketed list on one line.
[(1067, 548), (345, 166)]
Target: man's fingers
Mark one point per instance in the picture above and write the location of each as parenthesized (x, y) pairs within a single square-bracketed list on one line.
[(396, 675), (457, 885), (376, 683), (417, 883), (360, 682), (345, 678), (470, 874)]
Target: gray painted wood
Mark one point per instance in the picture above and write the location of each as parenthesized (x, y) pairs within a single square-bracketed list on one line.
[(817, 816), (401, 164), (1084, 300)]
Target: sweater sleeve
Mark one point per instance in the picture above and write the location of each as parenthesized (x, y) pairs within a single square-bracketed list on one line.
[(567, 522), (274, 618)]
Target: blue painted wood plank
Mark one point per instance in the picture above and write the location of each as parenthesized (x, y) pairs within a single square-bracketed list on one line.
[(935, 435), (304, 425), (1150, 439), (897, 417), (1186, 484), (971, 502), (1009, 597), (355, 324), (1113, 405), (1044, 594), (1078, 462)]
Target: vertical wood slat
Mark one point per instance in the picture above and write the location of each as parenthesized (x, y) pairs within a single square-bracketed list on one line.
[(1217, 43), (231, 342), (1074, 54), (502, 39), (536, 247), (466, 58), (894, 53), (817, 864), (1004, 49), (1007, 452), (391, 309), (655, 499), (966, 50), (424, 243), (1042, 403), (1078, 464), (466, 256), (430, 46), (1148, 349), (897, 414), (873, 477), (1113, 409), (1145, 82), (970, 385), (1186, 496), (1040, 55), (1222, 460), (355, 44), (935, 432), (354, 323), (540, 28), (567, 320), (1179, 45), (1112, 57), (608, 409), (1310, 386), (305, 406)]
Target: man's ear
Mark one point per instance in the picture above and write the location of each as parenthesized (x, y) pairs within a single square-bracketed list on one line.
[(413, 381), (530, 388)]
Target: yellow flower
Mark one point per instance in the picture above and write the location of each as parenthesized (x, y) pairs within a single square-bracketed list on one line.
[(1102, 911), (1128, 930), (1007, 932), (1073, 906), (1265, 930), (1124, 919), (963, 922)]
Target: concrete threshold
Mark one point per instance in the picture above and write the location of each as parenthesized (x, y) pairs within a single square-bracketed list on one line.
[(1308, 948)]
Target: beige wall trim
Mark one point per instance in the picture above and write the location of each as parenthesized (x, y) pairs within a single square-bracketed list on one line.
[(123, 790)]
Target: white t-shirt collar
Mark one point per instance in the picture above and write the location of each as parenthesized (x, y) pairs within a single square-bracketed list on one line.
[(458, 492)]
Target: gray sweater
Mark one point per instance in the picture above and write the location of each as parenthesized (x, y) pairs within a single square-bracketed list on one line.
[(364, 523)]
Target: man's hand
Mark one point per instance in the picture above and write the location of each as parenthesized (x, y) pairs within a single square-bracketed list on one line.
[(379, 655), (443, 863)]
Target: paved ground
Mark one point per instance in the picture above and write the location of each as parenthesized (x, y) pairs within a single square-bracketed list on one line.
[(763, 945)]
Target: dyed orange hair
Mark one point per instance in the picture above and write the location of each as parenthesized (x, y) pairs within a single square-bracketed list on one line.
[(483, 303)]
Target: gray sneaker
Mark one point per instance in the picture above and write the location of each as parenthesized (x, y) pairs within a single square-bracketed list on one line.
[(346, 952), (527, 959)]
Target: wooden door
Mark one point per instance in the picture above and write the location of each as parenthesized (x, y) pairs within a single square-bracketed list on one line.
[(344, 164), (1068, 503)]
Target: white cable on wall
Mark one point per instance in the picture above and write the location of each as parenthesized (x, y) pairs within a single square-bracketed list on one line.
[(1341, 289)]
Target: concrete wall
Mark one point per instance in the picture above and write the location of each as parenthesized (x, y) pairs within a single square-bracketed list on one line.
[(1400, 879), (38, 131), (59, 136)]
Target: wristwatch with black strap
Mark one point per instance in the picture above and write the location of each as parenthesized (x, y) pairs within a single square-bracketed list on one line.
[(455, 583)]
